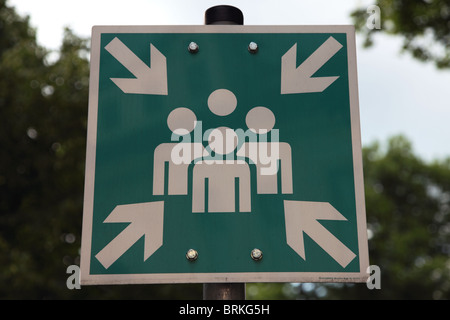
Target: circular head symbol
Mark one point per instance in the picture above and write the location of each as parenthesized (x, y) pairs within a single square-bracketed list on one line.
[(222, 102), (223, 140), (260, 120), (181, 121)]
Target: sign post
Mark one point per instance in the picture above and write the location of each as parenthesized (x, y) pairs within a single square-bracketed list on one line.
[(224, 15), (223, 154)]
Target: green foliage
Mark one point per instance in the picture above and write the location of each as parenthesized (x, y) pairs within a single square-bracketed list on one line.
[(408, 216), (43, 112), (408, 220), (423, 25)]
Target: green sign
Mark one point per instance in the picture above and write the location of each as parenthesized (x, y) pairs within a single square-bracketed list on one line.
[(223, 154)]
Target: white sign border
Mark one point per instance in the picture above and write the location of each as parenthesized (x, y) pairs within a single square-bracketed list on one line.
[(96, 279)]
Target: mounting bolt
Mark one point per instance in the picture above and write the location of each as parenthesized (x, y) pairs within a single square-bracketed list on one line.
[(253, 47), (193, 47), (256, 254), (192, 255)]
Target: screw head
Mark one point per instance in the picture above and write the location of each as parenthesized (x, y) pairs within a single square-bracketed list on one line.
[(253, 47), (256, 254), (193, 47), (192, 255)]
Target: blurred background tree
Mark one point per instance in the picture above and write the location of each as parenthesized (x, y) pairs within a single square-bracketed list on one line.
[(407, 200), (424, 26), (408, 220), (43, 114)]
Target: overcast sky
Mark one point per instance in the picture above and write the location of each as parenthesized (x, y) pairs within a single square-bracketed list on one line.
[(397, 94)]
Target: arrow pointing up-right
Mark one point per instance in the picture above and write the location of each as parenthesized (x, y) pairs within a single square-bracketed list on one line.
[(302, 216), (146, 219), (299, 80)]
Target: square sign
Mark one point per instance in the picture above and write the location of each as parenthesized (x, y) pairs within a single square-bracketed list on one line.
[(223, 154)]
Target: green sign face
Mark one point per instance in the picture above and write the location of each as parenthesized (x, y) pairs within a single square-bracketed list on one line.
[(223, 154)]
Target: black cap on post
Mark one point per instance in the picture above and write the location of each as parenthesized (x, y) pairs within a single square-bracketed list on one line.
[(224, 15)]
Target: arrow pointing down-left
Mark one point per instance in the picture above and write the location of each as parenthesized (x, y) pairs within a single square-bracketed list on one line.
[(300, 79), (146, 219)]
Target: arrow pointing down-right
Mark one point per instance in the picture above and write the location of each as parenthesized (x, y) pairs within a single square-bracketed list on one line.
[(302, 216), (149, 80)]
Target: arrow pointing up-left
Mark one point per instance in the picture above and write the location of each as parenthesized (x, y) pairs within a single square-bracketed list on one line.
[(146, 219), (302, 216), (149, 80)]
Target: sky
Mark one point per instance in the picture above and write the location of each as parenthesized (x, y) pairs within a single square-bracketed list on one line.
[(397, 94)]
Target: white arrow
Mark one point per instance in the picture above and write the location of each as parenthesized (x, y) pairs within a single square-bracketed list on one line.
[(298, 80), (149, 80), (146, 219), (302, 216)]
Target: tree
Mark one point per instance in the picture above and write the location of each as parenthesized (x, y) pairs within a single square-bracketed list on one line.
[(408, 219), (423, 25), (43, 112), (408, 216), (22, 72)]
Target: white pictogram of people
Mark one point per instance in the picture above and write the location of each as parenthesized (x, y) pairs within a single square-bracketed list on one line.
[(217, 162)]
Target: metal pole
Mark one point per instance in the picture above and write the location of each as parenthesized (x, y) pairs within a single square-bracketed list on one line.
[(224, 291)]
